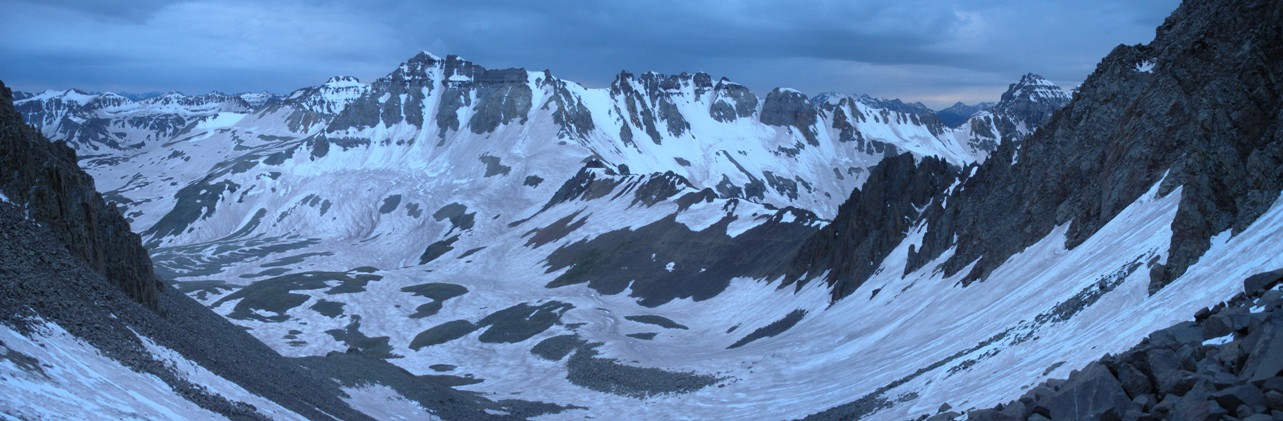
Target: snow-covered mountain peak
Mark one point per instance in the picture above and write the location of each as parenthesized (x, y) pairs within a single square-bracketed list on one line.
[(73, 96), (1034, 88), (342, 81), (426, 55), (1034, 79), (415, 69), (109, 100), (258, 99), (1031, 101), (654, 83), (329, 98)]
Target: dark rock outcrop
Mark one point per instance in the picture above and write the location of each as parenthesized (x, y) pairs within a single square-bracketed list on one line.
[(570, 113), (731, 101), (648, 101), (44, 179), (666, 260), (789, 108), (844, 123), (410, 80), (872, 221)]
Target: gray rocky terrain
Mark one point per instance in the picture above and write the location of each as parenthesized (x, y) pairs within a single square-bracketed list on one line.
[(1227, 363)]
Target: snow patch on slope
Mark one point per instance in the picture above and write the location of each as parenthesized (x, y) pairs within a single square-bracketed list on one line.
[(219, 121), (384, 403), (75, 381), (214, 383)]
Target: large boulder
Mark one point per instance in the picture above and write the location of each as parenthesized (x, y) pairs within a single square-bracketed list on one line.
[(1091, 394)]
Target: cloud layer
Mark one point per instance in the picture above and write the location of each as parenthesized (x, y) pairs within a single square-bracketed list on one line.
[(935, 52)]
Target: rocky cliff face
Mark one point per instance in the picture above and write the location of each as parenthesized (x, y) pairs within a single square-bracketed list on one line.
[(44, 178), (789, 108), (1148, 113), (1197, 109)]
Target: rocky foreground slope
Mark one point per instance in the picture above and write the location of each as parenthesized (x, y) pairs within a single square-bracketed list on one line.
[(1225, 364)]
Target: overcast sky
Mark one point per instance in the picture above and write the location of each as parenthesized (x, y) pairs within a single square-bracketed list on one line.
[(936, 52)]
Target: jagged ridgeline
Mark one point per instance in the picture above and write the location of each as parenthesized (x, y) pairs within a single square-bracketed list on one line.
[(1198, 109)]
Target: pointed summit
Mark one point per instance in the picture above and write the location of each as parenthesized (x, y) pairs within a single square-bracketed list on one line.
[(1035, 79), (1032, 100), (424, 55), (1033, 87), (415, 68)]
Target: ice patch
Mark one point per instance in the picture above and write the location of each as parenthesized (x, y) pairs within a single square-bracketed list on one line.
[(1146, 66), (220, 121), (701, 216), (788, 217), (384, 403), (1219, 340)]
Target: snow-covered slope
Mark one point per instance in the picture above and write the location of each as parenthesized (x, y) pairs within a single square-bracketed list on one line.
[(386, 164), (623, 249), (447, 210)]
